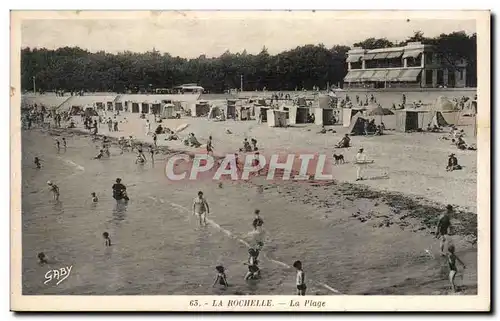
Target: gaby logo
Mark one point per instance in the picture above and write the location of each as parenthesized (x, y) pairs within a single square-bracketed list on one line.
[(284, 166)]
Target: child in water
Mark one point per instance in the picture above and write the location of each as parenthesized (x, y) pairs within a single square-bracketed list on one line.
[(100, 155), (253, 268), (37, 163), (221, 276), (452, 259), (301, 278), (94, 197), (54, 189), (58, 144), (64, 143), (42, 259), (107, 239)]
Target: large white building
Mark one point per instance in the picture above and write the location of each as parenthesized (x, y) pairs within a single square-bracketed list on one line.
[(414, 65)]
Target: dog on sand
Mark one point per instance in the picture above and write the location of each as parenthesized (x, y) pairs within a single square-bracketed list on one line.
[(339, 159)]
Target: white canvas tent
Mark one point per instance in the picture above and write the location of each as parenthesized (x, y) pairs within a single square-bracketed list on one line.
[(348, 114), (276, 118), (168, 111)]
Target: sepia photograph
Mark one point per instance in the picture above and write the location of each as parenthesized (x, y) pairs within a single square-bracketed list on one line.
[(246, 159)]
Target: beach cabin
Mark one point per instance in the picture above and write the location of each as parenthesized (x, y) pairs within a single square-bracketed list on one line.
[(276, 118), (407, 120), (145, 107), (298, 115), (231, 108), (168, 111), (324, 116), (261, 111), (244, 113), (156, 108), (200, 108)]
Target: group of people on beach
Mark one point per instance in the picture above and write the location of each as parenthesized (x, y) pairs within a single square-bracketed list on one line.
[(201, 208)]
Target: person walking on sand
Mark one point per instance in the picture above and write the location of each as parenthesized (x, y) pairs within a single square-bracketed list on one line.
[(147, 127), (201, 208), (443, 226), (361, 162), (210, 146)]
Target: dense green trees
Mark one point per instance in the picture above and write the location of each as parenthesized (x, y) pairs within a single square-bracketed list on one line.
[(303, 67)]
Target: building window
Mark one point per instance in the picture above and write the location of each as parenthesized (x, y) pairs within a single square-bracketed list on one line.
[(356, 65), (461, 74), (428, 77)]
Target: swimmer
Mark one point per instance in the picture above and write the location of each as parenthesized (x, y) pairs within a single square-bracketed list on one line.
[(37, 163), (201, 208), (301, 278), (253, 268), (100, 155), (54, 189), (221, 276), (94, 197), (65, 145), (257, 222), (42, 259), (442, 228), (107, 240), (452, 259), (58, 144), (119, 190)]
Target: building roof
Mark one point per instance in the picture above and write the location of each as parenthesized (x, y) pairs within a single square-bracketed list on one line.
[(412, 49)]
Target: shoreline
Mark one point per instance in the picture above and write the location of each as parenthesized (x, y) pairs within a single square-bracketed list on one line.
[(411, 207)]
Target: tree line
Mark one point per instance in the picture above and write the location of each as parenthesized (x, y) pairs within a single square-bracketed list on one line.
[(75, 69)]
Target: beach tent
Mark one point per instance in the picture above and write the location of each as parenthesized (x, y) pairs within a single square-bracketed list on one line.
[(432, 118), (261, 110), (348, 114), (215, 111), (407, 120), (357, 126), (276, 118), (324, 116), (444, 105), (438, 120), (145, 107), (244, 113), (199, 109), (135, 107), (168, 111), (298, 115), (231, 108), (156, 108)]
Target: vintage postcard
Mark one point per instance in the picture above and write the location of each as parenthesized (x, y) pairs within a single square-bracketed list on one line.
[(250, 161)]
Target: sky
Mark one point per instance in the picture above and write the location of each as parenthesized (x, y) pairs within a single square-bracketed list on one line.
[(192, 34)]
